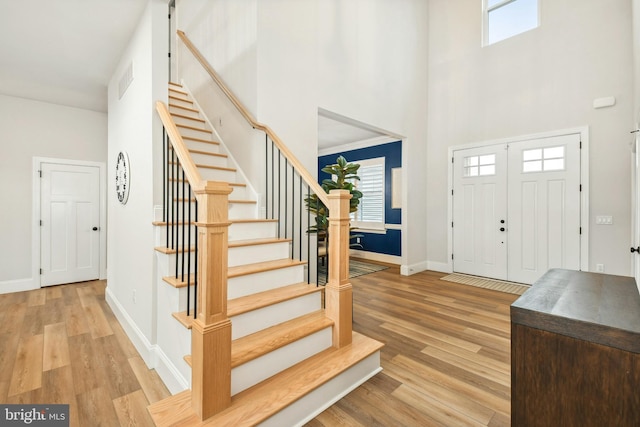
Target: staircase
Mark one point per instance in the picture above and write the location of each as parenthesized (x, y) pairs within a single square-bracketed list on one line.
[(287, 361)]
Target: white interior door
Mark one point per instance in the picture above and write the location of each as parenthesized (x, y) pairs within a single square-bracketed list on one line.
[(70, 219), (516, 208), (480, 211), (544, 207)]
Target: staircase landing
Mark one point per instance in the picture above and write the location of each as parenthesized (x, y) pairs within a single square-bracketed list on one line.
[(282, 391)]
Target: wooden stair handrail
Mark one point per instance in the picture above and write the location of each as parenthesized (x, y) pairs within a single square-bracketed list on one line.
[(187, 163), (297, 165)]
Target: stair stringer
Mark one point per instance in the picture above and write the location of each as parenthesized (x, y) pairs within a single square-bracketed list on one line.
[(250, 188)]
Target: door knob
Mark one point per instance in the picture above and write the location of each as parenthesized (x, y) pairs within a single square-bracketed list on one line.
[(635, 250), (95, 228)]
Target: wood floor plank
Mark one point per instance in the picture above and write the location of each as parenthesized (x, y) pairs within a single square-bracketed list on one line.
[(37, 297), (152, 386), (97, 321), (56, 347), (53, 292), (122, 380), (131, 410), (95, 408), (447, 348), (76, 320), (87, 371), (27, 369)]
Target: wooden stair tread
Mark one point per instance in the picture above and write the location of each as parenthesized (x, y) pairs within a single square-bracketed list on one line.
[(256, 242), (177, 282), (263, 299), (182, 107), (253, 346), (205, 141), (183, 318), (175, 84), (182, 92), (243, 270), (170, 251), (222, 168), (182, 116), (232, 184), (177, 98), (179, 125), (250, 220), (231, 201), (256, 301), (265, 399)]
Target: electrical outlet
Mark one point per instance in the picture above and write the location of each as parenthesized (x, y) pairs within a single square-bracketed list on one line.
[(604, 220), (600, 268)]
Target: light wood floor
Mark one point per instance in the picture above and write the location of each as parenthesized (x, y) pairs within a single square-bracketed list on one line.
[(63, 345), (446, 359), (447, 356)]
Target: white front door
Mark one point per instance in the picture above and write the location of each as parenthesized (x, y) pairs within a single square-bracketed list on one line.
[(516, 208), (70, 219), (480, 211), (544, 206)]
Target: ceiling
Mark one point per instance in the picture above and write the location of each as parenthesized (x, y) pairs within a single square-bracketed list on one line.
[(64, 51)]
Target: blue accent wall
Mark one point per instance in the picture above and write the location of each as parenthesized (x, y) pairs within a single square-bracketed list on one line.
[(390, 242)]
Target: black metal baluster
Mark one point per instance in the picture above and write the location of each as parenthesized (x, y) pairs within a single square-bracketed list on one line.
[(195, 274), (266, 176), (184, 248), (286, 201), (279, 195), (300, 226), (189, 256), (309, 238), (177, 217)]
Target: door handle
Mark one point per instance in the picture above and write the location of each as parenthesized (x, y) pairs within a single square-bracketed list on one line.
[(637, 250), (95, 229)]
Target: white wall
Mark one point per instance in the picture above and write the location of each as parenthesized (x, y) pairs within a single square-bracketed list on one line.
[(36, 129), (134, 127), (542, 80), (364, 59)]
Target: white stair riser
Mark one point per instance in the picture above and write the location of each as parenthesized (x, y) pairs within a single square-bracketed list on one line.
[(312, 404), (161, 233), (240, 193), (256, 320), (175, 110), (217, 175), (202, 146), (266, 280), (252, 230), (188, 120), (242, 210), (204, 159), (257, 370), (242, 255), (179, 100), (202, 134)]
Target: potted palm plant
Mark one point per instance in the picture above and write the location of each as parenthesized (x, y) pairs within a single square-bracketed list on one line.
[(343, 175)]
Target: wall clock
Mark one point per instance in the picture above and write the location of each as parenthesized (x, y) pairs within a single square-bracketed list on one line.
[(123, 176)]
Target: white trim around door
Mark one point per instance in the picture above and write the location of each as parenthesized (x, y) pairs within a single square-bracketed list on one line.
[(584, 178), (37, 209)]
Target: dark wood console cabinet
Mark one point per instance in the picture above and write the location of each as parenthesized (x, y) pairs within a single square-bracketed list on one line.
[(575, 352)]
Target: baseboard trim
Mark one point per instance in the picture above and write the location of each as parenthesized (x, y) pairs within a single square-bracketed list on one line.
[(374, 256), (407, 270), (20, 285), (169, 374), (442, 267), (140, 342), (152, 354)]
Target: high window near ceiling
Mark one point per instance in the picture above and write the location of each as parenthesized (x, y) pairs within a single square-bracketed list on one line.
[(507, 18)]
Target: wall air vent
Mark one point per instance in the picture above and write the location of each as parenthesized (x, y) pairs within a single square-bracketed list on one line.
[(125, 80)]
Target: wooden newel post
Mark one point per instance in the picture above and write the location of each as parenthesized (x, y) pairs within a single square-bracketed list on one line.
[(211, 330), (338, 291)]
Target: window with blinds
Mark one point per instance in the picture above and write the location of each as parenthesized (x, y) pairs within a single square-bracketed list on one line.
[(370, 214)]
